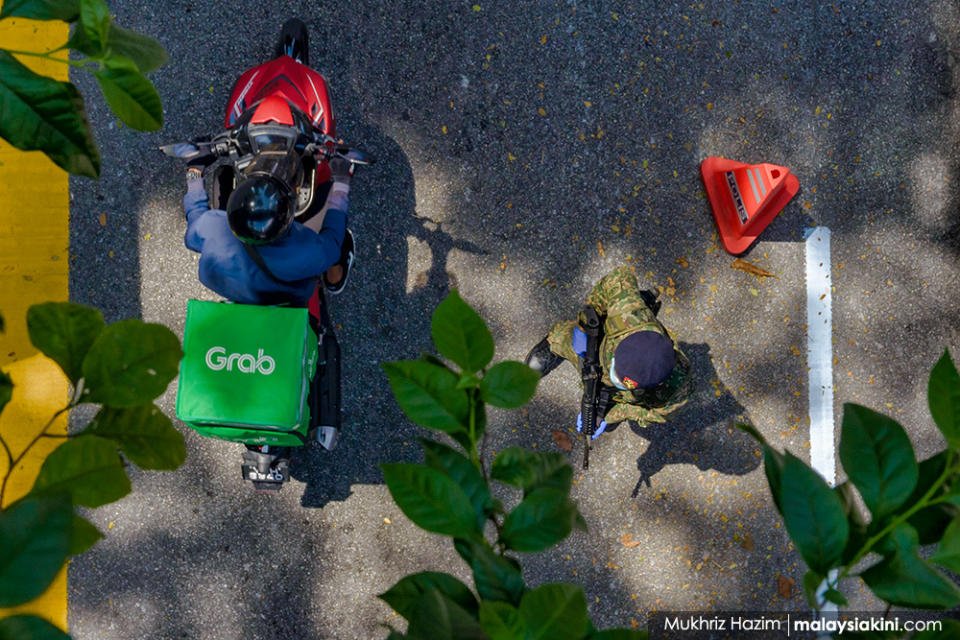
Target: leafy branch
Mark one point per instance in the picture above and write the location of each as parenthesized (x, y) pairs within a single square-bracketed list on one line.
[(451, 494), (41, 113), (910, 503), (124, 367)]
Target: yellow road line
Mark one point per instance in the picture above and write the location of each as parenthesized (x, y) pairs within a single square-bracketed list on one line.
[(34, 257)]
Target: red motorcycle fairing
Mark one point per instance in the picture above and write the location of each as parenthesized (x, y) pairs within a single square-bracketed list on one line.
[(285, 78)]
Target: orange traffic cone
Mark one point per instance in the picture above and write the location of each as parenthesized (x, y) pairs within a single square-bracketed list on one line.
[(745, 198)]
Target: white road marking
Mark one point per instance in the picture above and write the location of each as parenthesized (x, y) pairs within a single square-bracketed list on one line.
[(820, 366)]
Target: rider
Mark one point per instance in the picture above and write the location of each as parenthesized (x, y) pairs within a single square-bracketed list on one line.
[(255, 252)]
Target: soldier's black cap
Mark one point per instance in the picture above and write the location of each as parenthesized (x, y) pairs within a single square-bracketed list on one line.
[(644, 359)]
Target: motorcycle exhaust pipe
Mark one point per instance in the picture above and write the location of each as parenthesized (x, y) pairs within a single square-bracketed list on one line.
[(328, 396)]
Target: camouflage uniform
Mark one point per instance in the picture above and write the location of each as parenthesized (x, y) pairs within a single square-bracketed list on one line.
[(617, 297)]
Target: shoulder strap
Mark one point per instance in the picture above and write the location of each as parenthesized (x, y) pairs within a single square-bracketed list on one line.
[(257, 258)]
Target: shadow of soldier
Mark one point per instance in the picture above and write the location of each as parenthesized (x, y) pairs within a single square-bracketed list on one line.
[(703, 432)]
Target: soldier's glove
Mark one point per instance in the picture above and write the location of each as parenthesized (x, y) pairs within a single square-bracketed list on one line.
[(579, 342), (596, 434)]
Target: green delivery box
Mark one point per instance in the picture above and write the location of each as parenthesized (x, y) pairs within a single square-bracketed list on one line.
[(246, 372)]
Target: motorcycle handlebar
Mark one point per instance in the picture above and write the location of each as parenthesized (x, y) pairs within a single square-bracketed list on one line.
[(224, 146)]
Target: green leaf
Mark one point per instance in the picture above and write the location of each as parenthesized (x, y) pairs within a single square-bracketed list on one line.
[(753, 432), (131, 363), (904, 579), (479, 419), (621, 634), (6, 389), (27, 627), (509, 385), (948, 552), (34, 539), (148, 54), (86, 467), (773, 469), (541, 520), (813, 515), (837, 598), (930, 522), (65, 10), (460, 334), (497, 578), (855, 521), (943, 394), (531, 470), (555, 612), (428, 395), (95, 23), (431, 499), (500, 621), (464, 473), (64, 332), (144, 433), (405, 595), (436, 617), (83, 535), (40, 113), (878, 456), (811, 582), (131, 96)]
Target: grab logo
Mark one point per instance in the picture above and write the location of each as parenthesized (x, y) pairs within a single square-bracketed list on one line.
[(217, 360)]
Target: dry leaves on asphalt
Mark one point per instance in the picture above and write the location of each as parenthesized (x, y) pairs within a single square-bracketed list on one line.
[(628, 541), (785, 587), (562, 440), (752, 269), (747, 542)]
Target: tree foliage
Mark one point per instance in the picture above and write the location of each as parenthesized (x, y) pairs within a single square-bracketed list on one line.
[(910, 503), (450, 494), (40, 530), (41, 113)]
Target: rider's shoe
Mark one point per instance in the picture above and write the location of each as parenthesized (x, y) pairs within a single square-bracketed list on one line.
[(542, 359), (347, 258)]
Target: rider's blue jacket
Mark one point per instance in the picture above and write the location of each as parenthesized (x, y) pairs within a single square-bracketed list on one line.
[(299, 257)]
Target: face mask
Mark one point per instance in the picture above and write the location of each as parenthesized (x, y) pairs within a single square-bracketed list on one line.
[(613, 376)]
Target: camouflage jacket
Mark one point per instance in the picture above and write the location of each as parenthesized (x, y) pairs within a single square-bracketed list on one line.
[(617, 297)]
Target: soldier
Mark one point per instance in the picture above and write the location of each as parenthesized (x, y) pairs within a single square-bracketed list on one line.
[(645, 374)]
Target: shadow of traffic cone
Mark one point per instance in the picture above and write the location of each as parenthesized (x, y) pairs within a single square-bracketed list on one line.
[(745, 198)]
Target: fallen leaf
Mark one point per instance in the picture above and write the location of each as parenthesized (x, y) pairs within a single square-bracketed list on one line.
[(683, 262), (562, 440), (387, 521), (103, 219), (752, 269), (628, 541), (785, 587), (747, 542), (600, 248)]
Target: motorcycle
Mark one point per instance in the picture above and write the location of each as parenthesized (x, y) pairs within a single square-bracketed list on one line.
[(275, 107)]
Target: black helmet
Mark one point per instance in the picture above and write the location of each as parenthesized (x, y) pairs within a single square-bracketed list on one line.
[(260, 209)]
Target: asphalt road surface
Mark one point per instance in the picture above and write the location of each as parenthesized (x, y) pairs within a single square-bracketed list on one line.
[(524, 150)]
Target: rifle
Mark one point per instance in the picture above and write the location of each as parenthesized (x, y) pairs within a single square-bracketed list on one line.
[(591, 374)]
